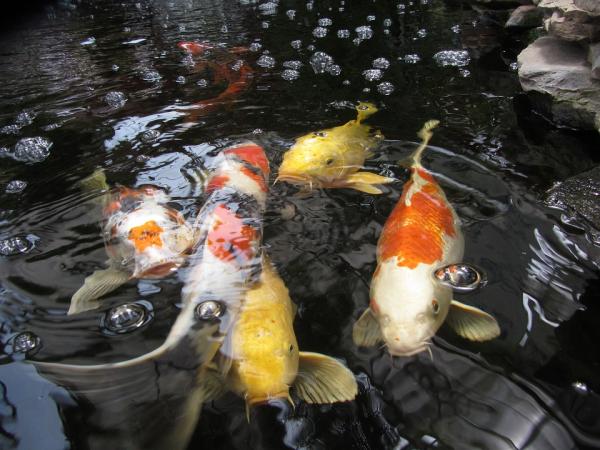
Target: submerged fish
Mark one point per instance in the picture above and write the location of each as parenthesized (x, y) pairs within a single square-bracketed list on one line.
[(144, 238), (332, 158), (408, 303), (266, 360), (227, 262), (226, 67)]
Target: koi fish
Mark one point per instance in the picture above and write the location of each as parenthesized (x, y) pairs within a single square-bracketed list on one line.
[(144, 238), (225, 264), (408, 303), (228, 68), (332, 158), (266, 360)]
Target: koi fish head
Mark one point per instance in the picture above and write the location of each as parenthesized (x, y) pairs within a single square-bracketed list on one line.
[(409, 305), (315, 157)]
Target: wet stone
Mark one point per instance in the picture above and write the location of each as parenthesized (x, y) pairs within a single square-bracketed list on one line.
[(15, 186), (15, 245), (115, 99), (33, 149), (455, 58)]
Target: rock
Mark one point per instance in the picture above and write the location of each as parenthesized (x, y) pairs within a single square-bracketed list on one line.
[(572, 20), (579, 197), (525, 16), (560, 69), (594, 59)]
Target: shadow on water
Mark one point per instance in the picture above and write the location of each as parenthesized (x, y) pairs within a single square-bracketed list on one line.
[(534, 387)]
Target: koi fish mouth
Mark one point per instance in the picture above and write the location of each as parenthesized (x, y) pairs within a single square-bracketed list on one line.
[(425, 346), (157, 270)]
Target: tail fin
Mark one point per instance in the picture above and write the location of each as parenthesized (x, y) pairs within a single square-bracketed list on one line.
[(365, 109), (425, 134), (97, 180)]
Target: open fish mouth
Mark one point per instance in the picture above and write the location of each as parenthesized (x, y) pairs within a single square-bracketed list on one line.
[(292, 178), (157, 270), (421, 348)]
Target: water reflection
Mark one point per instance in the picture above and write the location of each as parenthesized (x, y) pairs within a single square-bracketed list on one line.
[(493, 162)]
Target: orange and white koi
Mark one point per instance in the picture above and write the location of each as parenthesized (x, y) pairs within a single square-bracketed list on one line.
[(144, 238), (226, 67), (408, 303)]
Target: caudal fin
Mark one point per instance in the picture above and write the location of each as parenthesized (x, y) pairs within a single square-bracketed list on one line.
[(425, 134)]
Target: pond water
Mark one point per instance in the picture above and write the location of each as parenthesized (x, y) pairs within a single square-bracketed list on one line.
[(105, 85)]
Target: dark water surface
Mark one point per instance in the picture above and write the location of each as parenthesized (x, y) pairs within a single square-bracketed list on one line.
[(534, 387)]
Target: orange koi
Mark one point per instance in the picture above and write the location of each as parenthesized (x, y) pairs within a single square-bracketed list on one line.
[(408, 303)]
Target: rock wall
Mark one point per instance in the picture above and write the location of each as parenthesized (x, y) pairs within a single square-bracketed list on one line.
[(565, 64)]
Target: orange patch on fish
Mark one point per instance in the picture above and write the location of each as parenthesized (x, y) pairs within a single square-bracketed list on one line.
[(217, 183), (374, 306), (146, 235), (230, 238), (257, 178), (252, 154), (415, 233)]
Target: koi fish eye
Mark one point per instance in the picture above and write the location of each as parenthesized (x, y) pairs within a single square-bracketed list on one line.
[(363, 107), (435, 306), (320, 133), (329, 161), (209, 309)]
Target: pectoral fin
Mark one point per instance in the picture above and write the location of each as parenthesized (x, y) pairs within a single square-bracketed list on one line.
[(366, 181), (96, 181), (99, 283), (472, 323), (322, 379), (366, 331)]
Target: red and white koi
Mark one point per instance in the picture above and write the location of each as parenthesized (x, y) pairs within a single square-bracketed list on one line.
[(143, 236), (408, 303)]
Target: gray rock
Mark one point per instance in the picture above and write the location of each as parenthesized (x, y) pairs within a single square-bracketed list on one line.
[(560, 69), (525, 16), (590, 6), (579, 197), (594, 59), (572, 20)]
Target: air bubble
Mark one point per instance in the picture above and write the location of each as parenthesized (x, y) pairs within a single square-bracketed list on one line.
[(320, 62), (290, 74), (461, 277), (202, 82), (126, 318), (411, 58), (25, 342), (296, 65), (296, 44), (455, 29), (149, 136), (255, 46), (291, 13), (152, 76), (115, 99), (372, 74), (381, 63), (180, 79), (455, 58), (209, 309), (422, 33), (89, 41), (320, 32), (16, 245), (15, 187), (387, 22), (34, 149), (385, 88), (343, 34), (266, 61), (364, 32), (325, 22)]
